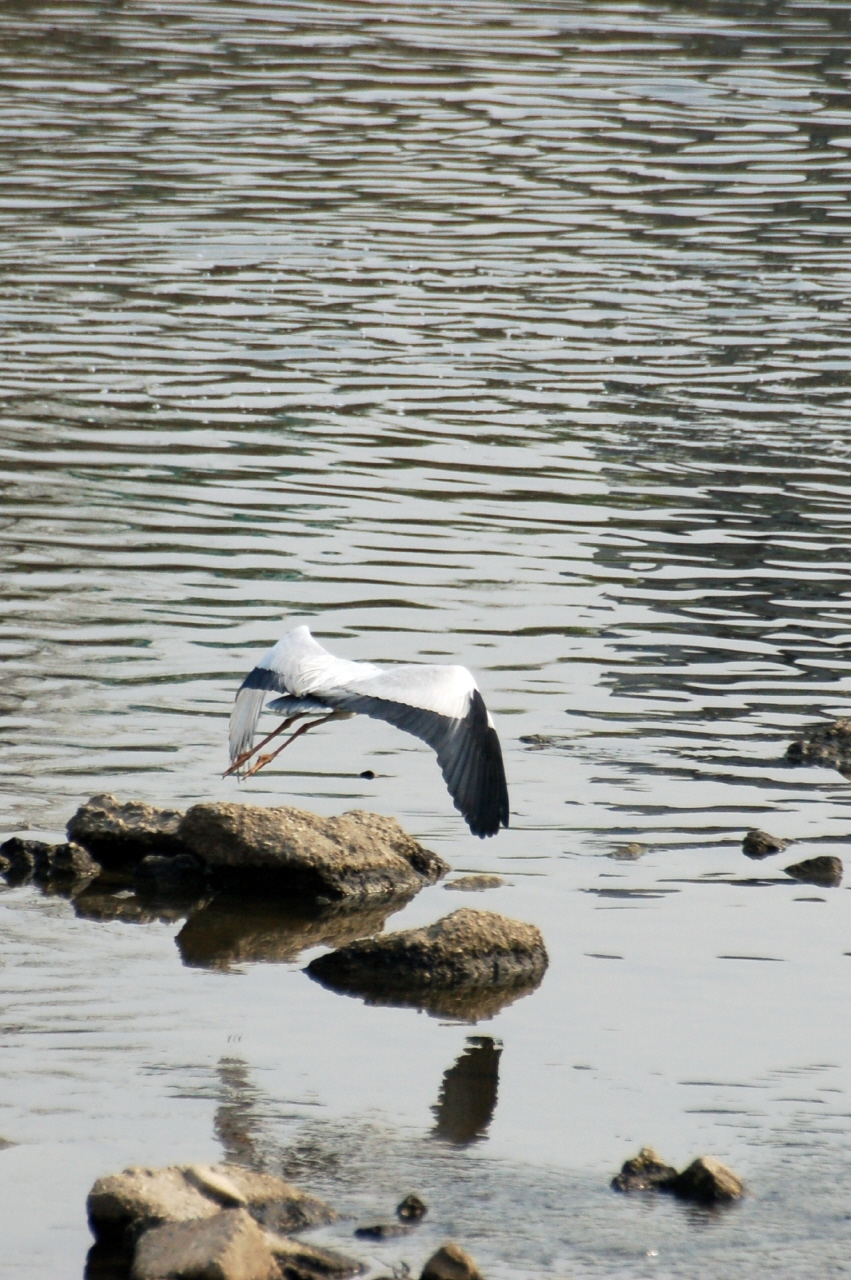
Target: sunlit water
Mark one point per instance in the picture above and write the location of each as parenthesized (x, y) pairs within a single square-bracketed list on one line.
[(515, 335)]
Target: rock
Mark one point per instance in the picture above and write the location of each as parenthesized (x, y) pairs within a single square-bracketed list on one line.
[(827, 744), (69, 862), (47, 864), (469, 953), (824, 870), (356, 855), (644, 1172), (384, 1231), (181, 876), (299, 1261), (759, 844), (473, 884), (450, 1263), (227, 1246), (412, 1208), (627, 852), (707, 1181), (131, 1202), (22, 857), (234, 929), (119, 834)]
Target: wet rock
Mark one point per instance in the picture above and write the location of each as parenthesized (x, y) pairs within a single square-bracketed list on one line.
[(299, 1261), (468, 959), (63, 865), (473, 884), (120, 834), (228, 1246), (21, 858), (824, 870), (707, 1181), (179, 877), (450, 1263), (384, 1231), (759, 844), (412, 1208), (68, 863), (125, 1204), (357, 855), (235, 929), (826, 744), (627, 852), (644, 1172)]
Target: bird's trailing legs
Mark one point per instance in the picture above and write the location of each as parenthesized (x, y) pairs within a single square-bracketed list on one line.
[(262, 761), (246, 755)]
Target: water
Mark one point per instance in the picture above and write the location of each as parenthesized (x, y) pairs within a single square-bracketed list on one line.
[(510, 334)]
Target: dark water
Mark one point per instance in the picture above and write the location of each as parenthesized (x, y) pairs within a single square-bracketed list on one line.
[(516, 334)]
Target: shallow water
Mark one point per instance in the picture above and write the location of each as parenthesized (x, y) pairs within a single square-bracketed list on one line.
[(514, 334)]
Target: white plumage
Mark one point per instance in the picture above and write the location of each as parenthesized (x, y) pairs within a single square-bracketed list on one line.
[(439, 704)]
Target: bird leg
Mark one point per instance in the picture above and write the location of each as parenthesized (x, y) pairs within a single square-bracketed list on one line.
[(252, 751), (262, 761)]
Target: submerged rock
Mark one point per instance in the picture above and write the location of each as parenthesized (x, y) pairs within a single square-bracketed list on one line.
[(644, 1172), (123, 1205), (827, 744), (412, 1208), (120, 834), (228, 1246), (707, 1181), (759, 844), (468, 960), (450, 1263), (474, 884), (356, 855), (824, 870)]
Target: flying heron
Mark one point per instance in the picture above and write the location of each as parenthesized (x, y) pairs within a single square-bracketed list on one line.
[(439, 704)]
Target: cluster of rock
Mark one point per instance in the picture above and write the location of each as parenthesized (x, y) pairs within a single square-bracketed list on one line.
[(826, 744), (825, 870), (224, 1222), (705, 1181)]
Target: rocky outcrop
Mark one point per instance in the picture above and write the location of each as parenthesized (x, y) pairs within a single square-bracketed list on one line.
[(759, 844), (825, 744), (124, 1205), (450, 1263), (470, 958), (824, 870), (119, 835), (356, 855), (705, 1181)]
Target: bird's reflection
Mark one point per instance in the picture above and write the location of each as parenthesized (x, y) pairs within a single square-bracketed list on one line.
[(467, 1098)]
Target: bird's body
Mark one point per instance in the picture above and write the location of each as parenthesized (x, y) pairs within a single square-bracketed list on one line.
[(439, 704)]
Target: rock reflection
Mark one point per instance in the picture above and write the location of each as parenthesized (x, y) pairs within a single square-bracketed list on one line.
[(235, 1123), (233, 930), (468, 1093)]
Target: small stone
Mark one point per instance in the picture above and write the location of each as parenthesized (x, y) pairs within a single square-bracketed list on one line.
[(759, 844), (645, 1172), (627, 852), (120, 834), (367, 774), (450, 1263), (473, 884), (181, 876), (412, 1208), (384, 1231), (707, 1181), (228, 1246), (824, 870)]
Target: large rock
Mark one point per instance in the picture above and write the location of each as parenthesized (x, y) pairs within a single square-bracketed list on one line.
[(467, 954), (824, 870), (121, 834), (450, 1262), (707, 1181), (827, 744), (227, 1246), (356, 855), (125, 1204), (645, 1172)]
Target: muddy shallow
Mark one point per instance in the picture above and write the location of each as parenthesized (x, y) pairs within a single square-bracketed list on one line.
[(514, 336)]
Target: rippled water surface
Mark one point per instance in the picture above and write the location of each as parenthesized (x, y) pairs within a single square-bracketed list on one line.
[(510, 334)]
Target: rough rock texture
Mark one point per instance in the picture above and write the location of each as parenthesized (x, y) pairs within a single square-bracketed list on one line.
[(473, 884), (299, 1261), (468, 952), (644, 1172), (119, 834), (450, 1263), (46, 863), (138, 1199), (229, 1246), (759, 844), (412, 1208), (181, 876), (235, 928), (707, 1181), (827, 744), (824, 870), (356, 855)]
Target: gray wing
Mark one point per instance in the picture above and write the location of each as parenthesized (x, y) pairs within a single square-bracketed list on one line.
[(468, 753)]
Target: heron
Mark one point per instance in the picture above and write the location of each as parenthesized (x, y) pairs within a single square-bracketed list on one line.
[(439, 704)]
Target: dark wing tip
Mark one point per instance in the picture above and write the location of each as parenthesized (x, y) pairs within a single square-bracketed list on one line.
[(485, 807)]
